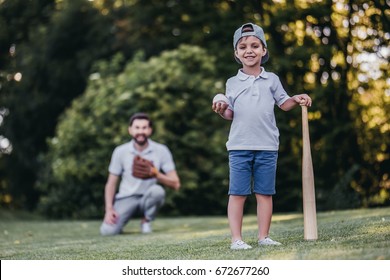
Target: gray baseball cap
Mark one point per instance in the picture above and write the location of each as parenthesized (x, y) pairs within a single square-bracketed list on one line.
[(250, 29)]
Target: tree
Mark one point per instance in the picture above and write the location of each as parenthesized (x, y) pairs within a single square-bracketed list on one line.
[(17, 20), (336, 51), (50, 55), (317, 49)]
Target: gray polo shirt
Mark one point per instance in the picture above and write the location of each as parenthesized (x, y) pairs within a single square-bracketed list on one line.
[(253, 99), (122, 164)]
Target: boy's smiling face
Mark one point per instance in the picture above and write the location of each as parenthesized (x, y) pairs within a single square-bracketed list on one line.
[(250, 51)]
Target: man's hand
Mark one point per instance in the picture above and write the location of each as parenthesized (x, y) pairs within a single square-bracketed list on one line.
[(111, 217), (143, 168)]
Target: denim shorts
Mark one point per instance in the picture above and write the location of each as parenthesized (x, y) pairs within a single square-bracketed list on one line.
[(255, 169)]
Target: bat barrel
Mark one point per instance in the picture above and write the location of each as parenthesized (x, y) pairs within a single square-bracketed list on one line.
[(308, 189)]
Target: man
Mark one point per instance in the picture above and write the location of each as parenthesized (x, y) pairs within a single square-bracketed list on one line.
[(138, 164)]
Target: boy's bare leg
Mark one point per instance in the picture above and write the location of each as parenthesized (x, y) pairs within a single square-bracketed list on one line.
[(235, 215), (264, 214)]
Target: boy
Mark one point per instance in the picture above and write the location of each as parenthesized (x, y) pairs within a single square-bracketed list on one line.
[(254, 137)]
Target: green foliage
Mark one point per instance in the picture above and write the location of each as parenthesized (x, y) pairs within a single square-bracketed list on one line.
[(176, 90), (314, 50), (336, 51), (53, 49)]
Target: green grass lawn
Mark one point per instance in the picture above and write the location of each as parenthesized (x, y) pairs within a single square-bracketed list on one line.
[(362, 234)]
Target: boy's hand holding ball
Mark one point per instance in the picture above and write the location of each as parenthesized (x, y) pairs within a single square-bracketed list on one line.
[(220, 103)]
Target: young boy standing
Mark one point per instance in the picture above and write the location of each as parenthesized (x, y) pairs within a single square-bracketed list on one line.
[(254, 137)]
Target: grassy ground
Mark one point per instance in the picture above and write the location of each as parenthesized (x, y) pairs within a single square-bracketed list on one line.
[(353, 234)]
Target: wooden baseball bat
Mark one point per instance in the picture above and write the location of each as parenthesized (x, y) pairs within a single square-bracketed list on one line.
[(308, 190)]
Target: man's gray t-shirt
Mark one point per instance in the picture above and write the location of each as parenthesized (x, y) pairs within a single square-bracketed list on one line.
[(253, 99), (122, 164)]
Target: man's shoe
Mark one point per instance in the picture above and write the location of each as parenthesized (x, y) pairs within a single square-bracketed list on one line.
[(146, 227), (240, 245), (268, 241)]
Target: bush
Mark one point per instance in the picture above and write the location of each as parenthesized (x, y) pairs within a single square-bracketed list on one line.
[(176, 89)]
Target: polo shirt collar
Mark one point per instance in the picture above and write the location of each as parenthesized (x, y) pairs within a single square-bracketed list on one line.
[(243, 77)]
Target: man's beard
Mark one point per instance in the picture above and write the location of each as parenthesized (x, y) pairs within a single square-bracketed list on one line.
[(141, 140)]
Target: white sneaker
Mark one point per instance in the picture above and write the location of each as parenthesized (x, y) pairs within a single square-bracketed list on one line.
[(146, 227), (268, 241), (240, 245)]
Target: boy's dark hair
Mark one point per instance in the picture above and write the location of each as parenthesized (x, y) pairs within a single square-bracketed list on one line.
[(247, 28), (140, 116)]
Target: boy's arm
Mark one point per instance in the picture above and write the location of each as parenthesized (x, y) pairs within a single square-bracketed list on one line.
[(227, 115), (292, 102)]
